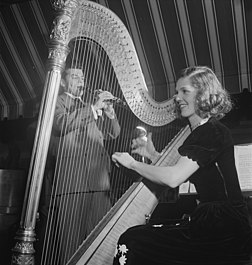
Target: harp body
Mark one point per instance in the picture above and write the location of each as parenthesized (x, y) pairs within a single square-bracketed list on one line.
[(78, 20)]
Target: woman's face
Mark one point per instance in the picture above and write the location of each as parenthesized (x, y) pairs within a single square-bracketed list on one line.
[(185, 97)]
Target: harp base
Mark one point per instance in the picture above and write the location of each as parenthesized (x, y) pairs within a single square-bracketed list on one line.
[(23, 251)]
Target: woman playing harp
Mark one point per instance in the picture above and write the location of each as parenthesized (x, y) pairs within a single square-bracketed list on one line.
[(218, 231)]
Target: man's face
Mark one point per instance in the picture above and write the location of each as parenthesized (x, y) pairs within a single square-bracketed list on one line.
[(75, 81)]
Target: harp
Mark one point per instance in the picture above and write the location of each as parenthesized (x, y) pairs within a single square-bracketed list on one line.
[(89, 22)]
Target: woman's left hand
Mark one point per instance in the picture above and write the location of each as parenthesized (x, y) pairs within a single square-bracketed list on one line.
[(124, 159)]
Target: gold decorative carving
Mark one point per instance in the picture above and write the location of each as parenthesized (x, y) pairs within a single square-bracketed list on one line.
[(23, 253), (24, 247), (61, 29), (57, 53), (22, 260), (63, 4)]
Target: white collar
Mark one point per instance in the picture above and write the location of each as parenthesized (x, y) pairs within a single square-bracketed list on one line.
[(71, 95), (203, 121), (74, 97)]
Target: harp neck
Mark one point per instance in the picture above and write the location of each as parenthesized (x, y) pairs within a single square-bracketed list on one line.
[(98, 24)]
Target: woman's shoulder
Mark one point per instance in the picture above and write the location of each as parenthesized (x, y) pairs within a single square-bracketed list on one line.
[(216, 125), (206, 141), (211, 133)]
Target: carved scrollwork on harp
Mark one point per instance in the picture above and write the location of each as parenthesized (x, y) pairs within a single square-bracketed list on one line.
[(60, 5), (61, 29)]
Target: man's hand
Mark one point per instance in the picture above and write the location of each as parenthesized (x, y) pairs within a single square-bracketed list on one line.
[(104, 102)]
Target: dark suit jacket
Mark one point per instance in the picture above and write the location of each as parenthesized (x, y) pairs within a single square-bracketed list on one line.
[(83, 163)]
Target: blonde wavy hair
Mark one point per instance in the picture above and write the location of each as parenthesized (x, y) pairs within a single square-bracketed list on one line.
[(212, 100)]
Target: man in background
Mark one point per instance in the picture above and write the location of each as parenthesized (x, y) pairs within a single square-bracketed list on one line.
[(81, 178)]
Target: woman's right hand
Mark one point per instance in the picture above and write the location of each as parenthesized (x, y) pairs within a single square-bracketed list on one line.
[(144, 147)]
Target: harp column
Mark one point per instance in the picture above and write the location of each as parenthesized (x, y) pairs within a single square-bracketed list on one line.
[(23, 251)]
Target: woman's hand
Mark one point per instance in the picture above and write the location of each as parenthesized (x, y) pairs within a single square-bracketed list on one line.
[(124, 159), (144, 147)]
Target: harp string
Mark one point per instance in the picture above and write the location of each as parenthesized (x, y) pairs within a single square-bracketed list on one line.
[(64, 204), (93, 84), (55, 184)]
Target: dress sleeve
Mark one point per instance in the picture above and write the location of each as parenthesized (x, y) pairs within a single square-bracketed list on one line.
[(205, 143)]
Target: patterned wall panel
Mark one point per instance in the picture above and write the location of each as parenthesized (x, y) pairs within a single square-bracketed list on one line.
[(168, 34)]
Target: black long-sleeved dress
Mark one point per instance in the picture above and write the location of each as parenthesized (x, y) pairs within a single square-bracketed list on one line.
[(218, 231)]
